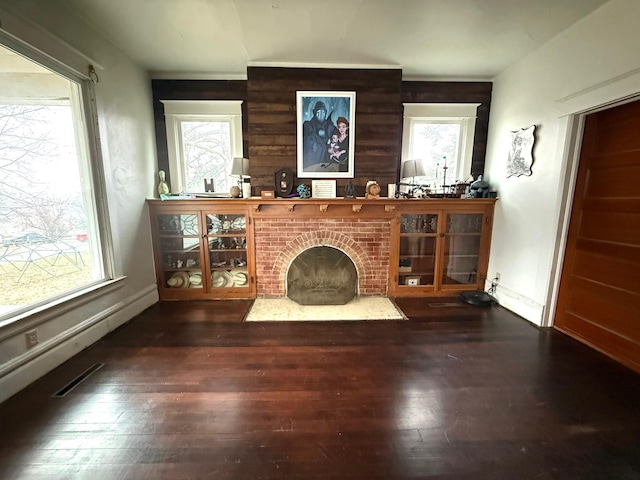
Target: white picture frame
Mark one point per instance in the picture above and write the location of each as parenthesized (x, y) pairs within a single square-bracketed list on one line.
[(320, 114)]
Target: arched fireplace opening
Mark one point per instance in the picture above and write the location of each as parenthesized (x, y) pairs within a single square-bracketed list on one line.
[(322, 275)]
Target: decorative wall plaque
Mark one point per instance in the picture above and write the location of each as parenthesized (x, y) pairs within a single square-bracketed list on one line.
[(521, 152), (284, 182)]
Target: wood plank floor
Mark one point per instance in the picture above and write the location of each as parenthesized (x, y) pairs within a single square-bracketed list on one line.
[(188, 391)]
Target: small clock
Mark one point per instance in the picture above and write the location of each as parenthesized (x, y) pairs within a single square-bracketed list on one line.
[(372, 190)]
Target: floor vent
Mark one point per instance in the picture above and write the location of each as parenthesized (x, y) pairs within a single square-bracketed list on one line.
[(79, 379)]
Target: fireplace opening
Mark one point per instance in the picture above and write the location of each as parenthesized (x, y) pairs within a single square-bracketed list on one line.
[(322, 276)]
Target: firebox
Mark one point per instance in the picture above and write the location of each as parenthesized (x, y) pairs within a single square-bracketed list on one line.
[(322, 276)]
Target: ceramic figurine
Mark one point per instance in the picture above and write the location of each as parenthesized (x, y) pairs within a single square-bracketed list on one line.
[(304, 191), (235, 191), (349, 190), (163, 187)]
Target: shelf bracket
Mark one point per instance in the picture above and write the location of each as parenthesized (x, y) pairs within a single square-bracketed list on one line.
[(324, 207), (356, 208), (256, 207), (291, 207)]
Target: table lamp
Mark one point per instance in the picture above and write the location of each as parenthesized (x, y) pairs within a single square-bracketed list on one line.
[(412, 169), (240, 169)]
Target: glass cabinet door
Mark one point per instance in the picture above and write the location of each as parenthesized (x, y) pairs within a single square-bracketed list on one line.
[(417, 259), (180, 254), (463, 234), (227, 245)]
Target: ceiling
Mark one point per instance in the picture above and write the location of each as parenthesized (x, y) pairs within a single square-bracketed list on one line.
[(427, 39)]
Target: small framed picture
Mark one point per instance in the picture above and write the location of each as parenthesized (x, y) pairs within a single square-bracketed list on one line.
[(412, 281), (267, 194), (323, 188)]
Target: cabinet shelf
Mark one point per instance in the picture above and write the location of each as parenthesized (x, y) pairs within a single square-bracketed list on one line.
[(175, 236), (227, 249), (227, 234), (180, 252), (419, 235), (461, 272), (194, 269)]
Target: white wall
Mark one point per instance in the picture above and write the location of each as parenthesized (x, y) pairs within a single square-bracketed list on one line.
[(124, 105), (593, 63)]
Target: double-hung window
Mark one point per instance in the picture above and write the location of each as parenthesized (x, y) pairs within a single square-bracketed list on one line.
[(51, 245), (203, 138), (440, 136)]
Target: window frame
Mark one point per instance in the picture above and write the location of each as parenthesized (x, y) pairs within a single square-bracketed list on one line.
[(178, 111), (82, 102), (463, 114)]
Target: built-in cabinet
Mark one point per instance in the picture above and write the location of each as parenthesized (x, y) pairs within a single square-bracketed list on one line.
[(440, 251), (202, 252), (204, 249)]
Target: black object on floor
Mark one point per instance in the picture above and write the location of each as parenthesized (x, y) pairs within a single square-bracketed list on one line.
[(482, 299)]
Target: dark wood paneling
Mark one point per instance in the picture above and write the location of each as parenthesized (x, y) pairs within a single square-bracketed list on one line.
[(269, 116), (458, 92), (271, 94)]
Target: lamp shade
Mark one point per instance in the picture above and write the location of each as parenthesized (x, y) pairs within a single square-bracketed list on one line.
[(412, 168), (240, 167)]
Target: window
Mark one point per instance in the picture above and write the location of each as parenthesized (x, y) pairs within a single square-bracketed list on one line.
[(441, 136), (203, 138), (50, 244)]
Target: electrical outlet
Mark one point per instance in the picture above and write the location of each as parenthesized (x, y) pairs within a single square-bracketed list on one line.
[(32, 338)]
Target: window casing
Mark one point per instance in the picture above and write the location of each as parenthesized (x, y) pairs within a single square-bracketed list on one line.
[(53, 229), (203, 138), (440, 134)]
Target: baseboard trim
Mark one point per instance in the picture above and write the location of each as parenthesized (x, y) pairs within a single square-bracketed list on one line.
[(519, 304), (25, 369)]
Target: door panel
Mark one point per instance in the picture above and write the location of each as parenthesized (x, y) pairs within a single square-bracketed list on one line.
[(599, 295), (610, 308)]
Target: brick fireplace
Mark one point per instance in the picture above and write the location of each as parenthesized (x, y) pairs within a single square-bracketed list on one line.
[(279, 239)]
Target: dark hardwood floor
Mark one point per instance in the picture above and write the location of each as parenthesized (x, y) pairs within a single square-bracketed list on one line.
[(188, 391)]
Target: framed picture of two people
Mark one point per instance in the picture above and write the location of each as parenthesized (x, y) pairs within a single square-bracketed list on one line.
[(326, 129)]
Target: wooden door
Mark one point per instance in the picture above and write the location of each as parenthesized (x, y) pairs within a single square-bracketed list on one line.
[(599, 295)]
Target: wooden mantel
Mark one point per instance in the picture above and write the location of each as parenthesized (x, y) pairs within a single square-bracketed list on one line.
[(385, 208)]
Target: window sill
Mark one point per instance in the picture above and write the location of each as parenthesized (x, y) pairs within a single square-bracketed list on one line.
[(43, 313)]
